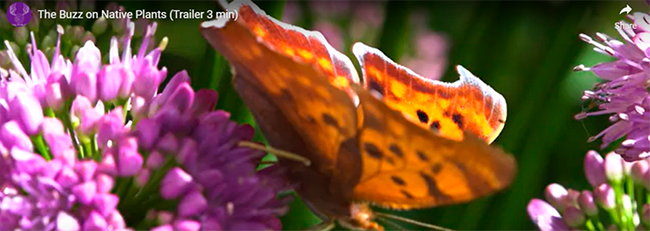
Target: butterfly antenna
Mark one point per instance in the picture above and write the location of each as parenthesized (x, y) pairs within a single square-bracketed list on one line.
[(390, 223), (276, 152), (411, 221)]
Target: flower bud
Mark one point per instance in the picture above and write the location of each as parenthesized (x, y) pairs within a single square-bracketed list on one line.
[(5, 62), (86, 5), (66, 222), (594, 169), (605, 196), (187, 225), (204, 101), (85, 192), (555, 194), (11, 135), (87, 36), (545, 216), (4, 22), (192, 204), (15, 48), (95, 221), (67, 177), (54, 96), (99, 26), (21, 35), (147, 130), (27, 111), (175, 183), (587, 204), (614, 169), (116, 221), (128, 159), (105, 203), (34, 22), (108, 82), (574, 217), (639, 169)]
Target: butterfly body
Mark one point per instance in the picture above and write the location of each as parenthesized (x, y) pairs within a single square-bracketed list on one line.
[(307, 99)]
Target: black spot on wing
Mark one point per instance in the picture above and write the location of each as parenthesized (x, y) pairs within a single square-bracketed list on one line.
[(422, 156), (458, 120), (434, 190), (389, 160), (372, 150), (396, 150), (330, 120), (435, 125), (373, 85), (398, 180), (501, 121), (437, 167), (422, 116), (407, 194)]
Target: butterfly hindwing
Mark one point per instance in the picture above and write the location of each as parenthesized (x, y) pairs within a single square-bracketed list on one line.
[(416, 168)]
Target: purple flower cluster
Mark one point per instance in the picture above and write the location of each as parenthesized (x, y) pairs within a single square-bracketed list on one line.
[(624, 94), (92, 146), (621, 195), (215, 180)]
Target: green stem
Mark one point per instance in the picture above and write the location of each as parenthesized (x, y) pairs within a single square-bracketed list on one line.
[(95, 148), (590, 225), (49, 112), (619, 210), (639, 197), (122, 186), (39, 143), (65, 118), (600, 225), (85, 145), (153, 184), (629, 212)]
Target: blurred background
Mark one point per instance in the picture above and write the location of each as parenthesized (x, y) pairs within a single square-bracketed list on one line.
[(524, 50)]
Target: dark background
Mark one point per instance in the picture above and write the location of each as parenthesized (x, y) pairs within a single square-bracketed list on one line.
[(525, 50)]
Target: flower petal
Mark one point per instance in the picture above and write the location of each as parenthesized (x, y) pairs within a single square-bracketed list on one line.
[(545, 216)]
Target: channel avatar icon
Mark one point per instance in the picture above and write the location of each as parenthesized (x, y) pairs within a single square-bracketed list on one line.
[(19, 14)]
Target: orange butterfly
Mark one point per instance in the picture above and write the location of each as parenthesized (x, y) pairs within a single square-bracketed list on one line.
[(368, 144)]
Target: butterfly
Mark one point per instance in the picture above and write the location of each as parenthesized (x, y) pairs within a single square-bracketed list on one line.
[(395, 140)]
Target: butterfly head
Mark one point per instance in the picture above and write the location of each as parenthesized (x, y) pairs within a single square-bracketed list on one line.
[(361, 217)]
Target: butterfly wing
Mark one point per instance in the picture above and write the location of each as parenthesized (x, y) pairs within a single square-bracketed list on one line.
[(406, 166), (294, 101), (448, 108), (300, 44), (299, 98)]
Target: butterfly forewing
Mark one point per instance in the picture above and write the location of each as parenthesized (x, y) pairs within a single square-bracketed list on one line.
[(325, 116), (448, 108)]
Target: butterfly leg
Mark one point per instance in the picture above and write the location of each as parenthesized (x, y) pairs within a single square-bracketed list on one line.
[(276, 152), (325, 225)]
